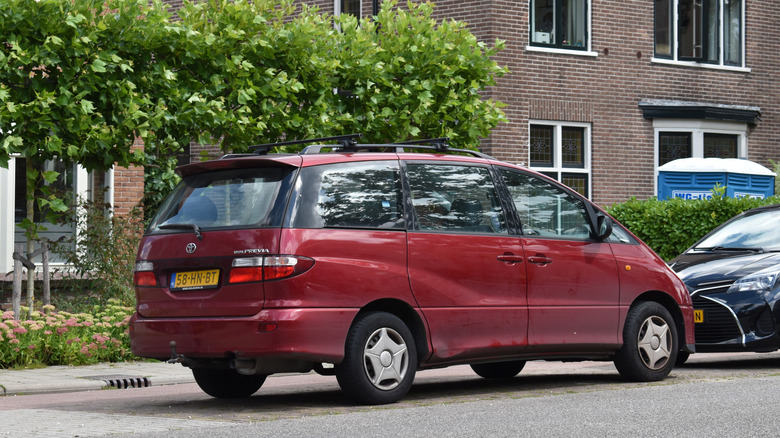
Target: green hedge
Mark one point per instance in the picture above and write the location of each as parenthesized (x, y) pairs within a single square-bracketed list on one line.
[(671, 226)]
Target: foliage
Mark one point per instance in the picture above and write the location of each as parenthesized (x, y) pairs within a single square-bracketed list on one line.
[(62, 338), (776, 168), (404, 75), (159, 180), (672, 226), (101, 255)]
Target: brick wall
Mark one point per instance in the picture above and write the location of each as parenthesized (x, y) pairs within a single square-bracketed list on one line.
[(128, 186)]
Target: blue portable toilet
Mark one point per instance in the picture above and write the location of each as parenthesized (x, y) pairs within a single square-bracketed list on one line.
[(694, 178)]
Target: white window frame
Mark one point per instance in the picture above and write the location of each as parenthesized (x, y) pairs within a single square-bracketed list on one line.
[(675, 44), (697, 129), (588, 47), (558, 150), (8, 227)]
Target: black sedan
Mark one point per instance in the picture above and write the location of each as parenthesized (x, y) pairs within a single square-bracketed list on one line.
[(733, 275)]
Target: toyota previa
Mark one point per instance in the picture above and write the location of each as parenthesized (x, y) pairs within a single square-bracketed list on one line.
[(371, 262)]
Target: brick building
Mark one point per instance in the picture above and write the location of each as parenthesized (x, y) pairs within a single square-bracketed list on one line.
[(601, 92)]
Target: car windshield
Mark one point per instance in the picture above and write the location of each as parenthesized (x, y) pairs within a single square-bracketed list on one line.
[(756, 232), (233, 198)]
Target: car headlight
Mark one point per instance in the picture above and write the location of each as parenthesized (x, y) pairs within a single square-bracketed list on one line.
[(761, 281)]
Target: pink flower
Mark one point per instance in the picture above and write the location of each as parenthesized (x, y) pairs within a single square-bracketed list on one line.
[(20, 330), (61, 330), (71, 322), (87, 324), (47, 332), (14, 341), (31, 347)]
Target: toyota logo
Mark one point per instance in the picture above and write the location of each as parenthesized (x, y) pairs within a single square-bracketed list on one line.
[(191, 247)]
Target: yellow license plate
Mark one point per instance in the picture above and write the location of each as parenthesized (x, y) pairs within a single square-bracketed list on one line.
[(195, 279), (698, 316)]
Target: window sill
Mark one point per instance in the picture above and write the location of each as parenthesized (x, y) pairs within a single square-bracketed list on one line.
[(586, 53), (700, 65)]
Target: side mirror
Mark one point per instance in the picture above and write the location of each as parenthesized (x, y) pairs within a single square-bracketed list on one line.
[(603, 227)]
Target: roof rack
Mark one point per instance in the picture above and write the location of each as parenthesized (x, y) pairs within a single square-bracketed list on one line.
[(348, 143), (435, 144), (345, 141)]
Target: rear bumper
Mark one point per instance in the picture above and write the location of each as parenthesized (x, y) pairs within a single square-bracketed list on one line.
[(313, 335)]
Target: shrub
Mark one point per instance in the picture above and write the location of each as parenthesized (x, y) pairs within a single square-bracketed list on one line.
[(672, 226), (49, 337), (101, 257)]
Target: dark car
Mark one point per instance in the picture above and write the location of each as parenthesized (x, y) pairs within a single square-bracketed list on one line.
[(373, 261), (733, 276)]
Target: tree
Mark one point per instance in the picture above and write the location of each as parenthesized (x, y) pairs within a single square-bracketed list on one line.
[(68, 89), (409, 76), (81, 81)]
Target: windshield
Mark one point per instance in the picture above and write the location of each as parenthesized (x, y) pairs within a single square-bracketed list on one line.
[(760, 231), (231, 198)]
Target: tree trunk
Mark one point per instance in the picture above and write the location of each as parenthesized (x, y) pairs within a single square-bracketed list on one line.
[(30, 241)]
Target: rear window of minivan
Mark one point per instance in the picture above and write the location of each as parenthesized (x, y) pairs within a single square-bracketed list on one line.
[(352, 195), (253, 197)]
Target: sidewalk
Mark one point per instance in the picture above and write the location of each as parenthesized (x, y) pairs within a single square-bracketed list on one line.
[(92, 377)]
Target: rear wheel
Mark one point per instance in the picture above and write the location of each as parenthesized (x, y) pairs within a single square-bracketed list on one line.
[(380, 360), (650, 343), (222, 383), (498, 370)]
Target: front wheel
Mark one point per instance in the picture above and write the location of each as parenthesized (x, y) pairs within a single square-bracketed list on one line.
[(650, 343), (380, 360), (498, 370), (225, 383)]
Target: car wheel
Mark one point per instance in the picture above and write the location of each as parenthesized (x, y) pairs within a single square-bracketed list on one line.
[(498, 370), (222, 383), (380, 360), (649, 343)]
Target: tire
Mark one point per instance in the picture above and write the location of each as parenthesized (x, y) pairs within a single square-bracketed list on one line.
[(223, 383), (380, 360), (498, 370), (650, 343)]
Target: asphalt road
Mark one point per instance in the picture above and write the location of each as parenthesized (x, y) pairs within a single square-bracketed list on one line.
[(713, 395)]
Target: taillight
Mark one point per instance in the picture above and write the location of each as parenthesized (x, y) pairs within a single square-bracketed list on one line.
[(267, 268), (143, 274)]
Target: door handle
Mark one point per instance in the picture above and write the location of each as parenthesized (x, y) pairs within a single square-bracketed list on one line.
[(540, 259), (510, 258)]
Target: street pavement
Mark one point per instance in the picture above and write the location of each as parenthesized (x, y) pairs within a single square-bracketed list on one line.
[(55, 379), (141, 374)]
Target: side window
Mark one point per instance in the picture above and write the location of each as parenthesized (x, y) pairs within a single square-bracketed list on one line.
[(360, 195), (545, 209), (455, 199)]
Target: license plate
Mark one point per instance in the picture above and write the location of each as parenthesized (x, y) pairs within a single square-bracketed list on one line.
[(698, 316), (195, 279)]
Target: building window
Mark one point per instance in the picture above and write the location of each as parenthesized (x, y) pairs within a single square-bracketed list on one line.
[(704, 31), (673, 145), (560, 24), (562, 152), (347, 7)]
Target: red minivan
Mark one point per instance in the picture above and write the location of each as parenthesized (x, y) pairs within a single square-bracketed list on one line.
[(373, 261)]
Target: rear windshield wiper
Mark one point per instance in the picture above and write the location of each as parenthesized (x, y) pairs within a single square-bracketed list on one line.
[(730, 248), (193, 227)]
